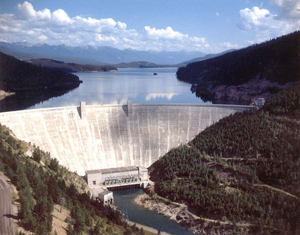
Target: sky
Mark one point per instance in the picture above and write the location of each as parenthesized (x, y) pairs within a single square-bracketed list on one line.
[(209, 26)]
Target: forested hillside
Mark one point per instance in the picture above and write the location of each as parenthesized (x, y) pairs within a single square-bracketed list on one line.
[(41, 182), (243, 169), (71, 67), (276, 61), (16, 75)]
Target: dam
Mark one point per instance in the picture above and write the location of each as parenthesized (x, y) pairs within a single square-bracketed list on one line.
[(92, 137)]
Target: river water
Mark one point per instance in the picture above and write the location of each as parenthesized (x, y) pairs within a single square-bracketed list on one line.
[(135, 213)]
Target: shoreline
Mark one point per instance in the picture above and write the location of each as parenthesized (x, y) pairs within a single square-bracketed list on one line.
[(181, 214), (174, 211)]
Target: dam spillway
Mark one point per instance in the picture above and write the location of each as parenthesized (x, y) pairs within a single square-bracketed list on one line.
[(105, 136)]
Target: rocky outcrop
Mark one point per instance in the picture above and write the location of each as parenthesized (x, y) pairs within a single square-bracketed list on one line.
[(245, 94)]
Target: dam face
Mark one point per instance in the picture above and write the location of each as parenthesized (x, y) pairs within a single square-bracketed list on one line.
[(106, 136)]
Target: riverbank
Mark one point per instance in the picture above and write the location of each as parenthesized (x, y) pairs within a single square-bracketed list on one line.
[(147, 230), (124, 200), (181, 214)]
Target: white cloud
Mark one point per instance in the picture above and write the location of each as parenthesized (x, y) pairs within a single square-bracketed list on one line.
[(61, 17), (287, 8), (256, 19), (167, 33), (266, 24), (58, 27), (168, 39), (27, 12)]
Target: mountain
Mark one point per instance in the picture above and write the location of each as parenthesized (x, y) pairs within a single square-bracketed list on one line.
[(16, 75), (140, 64), (242, 172), (71, 67), (255, 71), (206, 57), (93, 55)]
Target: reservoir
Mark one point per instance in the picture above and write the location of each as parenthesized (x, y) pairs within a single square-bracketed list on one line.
[(135, 213), (136, 84)]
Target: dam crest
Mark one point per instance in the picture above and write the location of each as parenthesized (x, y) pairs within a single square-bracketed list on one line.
[(92, 137)]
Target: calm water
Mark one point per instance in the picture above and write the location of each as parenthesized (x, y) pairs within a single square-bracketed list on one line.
[(124, 202), (139, 85)]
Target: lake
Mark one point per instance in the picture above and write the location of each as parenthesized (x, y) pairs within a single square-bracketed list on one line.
[(136, 84)]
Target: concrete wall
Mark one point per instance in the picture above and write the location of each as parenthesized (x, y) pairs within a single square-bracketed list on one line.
[(108, 136)]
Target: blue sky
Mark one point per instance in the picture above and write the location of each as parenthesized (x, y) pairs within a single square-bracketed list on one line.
[(209, 26)]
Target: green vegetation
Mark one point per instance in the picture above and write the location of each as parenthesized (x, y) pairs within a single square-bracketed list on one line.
[(277, 60), (42, 182), (286, 102), (244, 169), (71, 67), (16, 75), (238, 76)]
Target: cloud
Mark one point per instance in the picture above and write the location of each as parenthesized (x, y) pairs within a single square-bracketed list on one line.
[(58, 27), (167, 33), (168, 39), (256, 19), (268, 25), (287, 9)]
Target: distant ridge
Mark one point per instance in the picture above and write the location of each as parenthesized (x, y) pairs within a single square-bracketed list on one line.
[(206, 57), (94, 55), (140, 64), (71, 67)]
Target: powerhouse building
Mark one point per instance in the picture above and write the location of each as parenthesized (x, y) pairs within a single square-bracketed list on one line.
[(116, 176)]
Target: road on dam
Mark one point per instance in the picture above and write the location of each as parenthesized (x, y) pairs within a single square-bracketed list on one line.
[(7, 226), (92, 137)]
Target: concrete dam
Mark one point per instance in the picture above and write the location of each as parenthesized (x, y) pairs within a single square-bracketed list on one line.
[(92, 137)]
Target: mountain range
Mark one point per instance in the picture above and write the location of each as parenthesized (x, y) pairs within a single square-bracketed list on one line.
[(94, 55)]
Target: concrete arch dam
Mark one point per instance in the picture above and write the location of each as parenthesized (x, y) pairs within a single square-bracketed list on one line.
[(104, 136)]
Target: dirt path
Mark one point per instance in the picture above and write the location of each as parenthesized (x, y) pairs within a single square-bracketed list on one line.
[(7, 225), (276, 189)]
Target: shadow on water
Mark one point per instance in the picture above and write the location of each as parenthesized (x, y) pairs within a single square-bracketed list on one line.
[(25, 99)]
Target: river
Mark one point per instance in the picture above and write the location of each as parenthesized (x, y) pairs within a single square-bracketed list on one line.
[(124, 202)]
